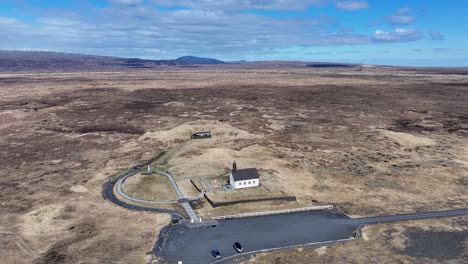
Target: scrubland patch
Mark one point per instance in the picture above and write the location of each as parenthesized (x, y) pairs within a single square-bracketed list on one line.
[(184, 131), (153, 187), (439, 241), (409, 140), (313, 131)]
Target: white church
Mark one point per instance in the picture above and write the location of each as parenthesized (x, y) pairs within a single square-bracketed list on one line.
[(243, 178)]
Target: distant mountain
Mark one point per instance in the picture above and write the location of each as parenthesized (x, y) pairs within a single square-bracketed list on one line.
[(238, 62), (199, 60), (330, 65), (16, 60)]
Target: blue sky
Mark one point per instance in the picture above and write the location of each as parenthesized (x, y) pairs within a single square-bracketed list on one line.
[(419, 33)]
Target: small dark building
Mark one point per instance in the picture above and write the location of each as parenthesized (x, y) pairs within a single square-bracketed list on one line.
[(197, 135)]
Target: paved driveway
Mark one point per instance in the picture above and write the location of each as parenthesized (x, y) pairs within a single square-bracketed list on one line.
[(193, 246)]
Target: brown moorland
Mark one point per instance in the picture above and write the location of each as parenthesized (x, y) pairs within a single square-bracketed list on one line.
[(370, 140)]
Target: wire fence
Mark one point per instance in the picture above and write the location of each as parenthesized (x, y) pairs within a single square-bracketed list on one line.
[(285, 211)]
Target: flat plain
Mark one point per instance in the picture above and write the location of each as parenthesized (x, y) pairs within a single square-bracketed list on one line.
[(370, 140)]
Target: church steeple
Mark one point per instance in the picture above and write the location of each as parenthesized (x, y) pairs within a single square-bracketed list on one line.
[(234, 166)]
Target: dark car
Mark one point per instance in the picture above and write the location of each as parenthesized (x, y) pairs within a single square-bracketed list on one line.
[(238, 247), (197, 135), (137, 167), (216, 253)]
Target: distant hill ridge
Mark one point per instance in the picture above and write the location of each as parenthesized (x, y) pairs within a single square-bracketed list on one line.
[(32, 60), (199, 60)]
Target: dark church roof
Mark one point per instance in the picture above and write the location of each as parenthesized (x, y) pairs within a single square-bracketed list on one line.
[(245, 174)]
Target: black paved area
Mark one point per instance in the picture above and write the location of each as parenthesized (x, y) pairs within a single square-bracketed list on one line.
[(193, 245)]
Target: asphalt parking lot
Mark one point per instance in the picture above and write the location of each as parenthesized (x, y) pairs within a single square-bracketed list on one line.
[(193, 245)]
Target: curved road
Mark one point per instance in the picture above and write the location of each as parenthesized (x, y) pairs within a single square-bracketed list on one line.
[(108, 194), (119, 190), (108, 187), (257, 234), (193, 245), (183, 201)]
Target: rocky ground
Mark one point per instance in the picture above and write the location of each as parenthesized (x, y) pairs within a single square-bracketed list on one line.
[(372, 141)]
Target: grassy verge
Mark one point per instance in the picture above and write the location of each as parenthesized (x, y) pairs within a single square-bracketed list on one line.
[(152, 187), (117, 174)]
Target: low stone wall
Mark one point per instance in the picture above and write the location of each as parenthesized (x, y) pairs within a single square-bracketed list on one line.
[(281, 198), (199, 186), (277, 212)]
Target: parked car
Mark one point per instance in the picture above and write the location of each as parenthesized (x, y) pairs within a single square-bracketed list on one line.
[(238, 247), (137, 167), (197, 135), (216, 253)]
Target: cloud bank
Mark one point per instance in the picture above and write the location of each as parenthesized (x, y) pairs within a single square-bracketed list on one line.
[(222, 28), (399, 35), (352, 5)]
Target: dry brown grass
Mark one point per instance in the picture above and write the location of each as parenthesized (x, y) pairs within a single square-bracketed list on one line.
[(153, 187), (320, 134), (207, 211), (187, 188), (260, 192)]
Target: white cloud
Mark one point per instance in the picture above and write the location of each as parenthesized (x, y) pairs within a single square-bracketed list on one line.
[(58, 21), (126, 2), (11, 27), (153, 50), (402, 16), (346, 29), (403, 11), (447, 50), (143, 31), (241, 5), (8, 21), (399, 35), (352, 5), (401, 19), (435, 35), (214, 30)]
